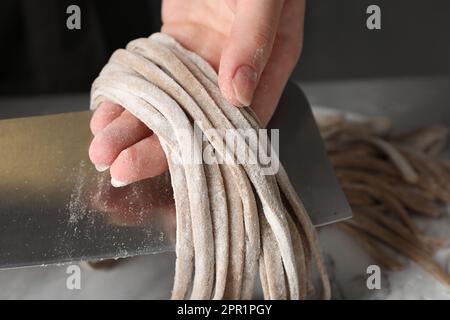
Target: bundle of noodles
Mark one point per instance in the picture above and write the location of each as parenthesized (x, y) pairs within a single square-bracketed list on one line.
[(387, 178), (231, 218)]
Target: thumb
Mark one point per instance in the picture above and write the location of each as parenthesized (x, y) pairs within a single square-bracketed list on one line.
[(248, 48)]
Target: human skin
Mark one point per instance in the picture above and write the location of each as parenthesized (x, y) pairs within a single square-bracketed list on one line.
[(253, 44)]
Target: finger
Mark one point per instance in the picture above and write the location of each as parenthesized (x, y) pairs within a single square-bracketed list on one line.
[(104, 115), (142, 160), (285, 55), (120, 134), (248, 48)]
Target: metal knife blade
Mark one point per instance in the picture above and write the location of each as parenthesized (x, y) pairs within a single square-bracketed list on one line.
[(303, 155), (56, 208)]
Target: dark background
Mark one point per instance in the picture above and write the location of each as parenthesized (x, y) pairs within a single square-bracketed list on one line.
[(40, 56)]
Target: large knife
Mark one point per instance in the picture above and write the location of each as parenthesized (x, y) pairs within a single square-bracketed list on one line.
[(56, 208)]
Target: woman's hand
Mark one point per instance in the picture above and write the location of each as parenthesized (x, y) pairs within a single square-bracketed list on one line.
[(253, 44)]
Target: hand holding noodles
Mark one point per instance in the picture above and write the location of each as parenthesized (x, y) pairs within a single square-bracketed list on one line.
[(231, 218)]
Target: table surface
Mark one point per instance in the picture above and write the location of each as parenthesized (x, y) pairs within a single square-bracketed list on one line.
[(408, 102)]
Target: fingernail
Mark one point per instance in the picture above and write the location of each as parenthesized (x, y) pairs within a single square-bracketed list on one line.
[(244, 84), (118, 184), (101, 167)]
